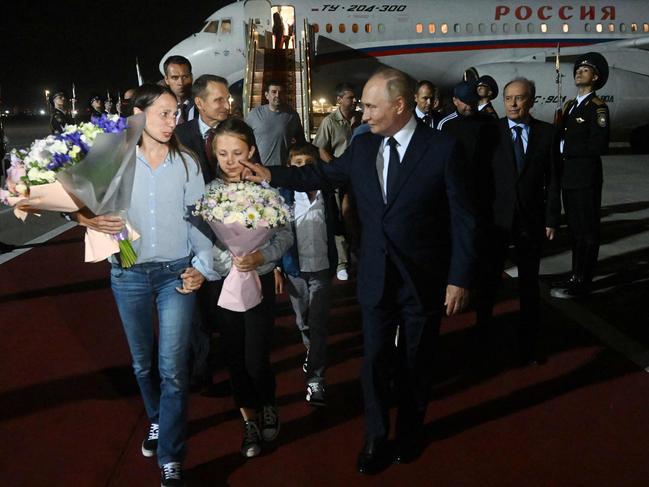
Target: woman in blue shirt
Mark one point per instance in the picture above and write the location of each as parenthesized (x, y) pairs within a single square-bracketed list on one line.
[(173, 259)]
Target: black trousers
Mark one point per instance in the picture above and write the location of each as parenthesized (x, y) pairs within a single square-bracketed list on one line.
[(247, 338), (527, 256), (414, 358), (582, 207)]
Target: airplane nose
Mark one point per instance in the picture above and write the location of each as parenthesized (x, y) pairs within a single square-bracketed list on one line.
[(193, 48)]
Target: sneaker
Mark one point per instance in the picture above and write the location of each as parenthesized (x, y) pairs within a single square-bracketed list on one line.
[(315, 394), (269, 423), (342, 275), (150, 443), (171, 475), (250, 446)]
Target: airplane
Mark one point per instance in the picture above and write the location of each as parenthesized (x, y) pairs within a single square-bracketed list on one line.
[(446, 42)]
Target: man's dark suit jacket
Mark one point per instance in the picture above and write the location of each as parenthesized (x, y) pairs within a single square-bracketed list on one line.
[(534, 193), (427, 227), (190, 136)]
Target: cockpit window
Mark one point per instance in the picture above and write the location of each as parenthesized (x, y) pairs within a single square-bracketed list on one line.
[(212, 27), (226, 26)]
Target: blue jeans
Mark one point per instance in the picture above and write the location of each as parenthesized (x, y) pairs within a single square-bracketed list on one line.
[(165, 393)]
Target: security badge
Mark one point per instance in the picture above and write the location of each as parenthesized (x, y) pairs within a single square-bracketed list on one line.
[(601, 118)]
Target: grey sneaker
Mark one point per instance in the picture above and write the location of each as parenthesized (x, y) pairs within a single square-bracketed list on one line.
[(269, 423), (251, 444), (171, 475), (150, 443), (315, 394)]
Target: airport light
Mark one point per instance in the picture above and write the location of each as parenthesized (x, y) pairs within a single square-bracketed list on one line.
[(41, 111), (47, 99), (322, 101)]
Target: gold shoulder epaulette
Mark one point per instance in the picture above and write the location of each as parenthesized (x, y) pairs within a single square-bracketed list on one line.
[(565, 105), (597, 101)]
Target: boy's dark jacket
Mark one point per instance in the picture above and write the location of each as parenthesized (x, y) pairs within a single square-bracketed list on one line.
[(290, 262)]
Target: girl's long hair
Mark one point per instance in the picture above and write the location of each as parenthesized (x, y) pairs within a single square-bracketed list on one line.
[(145, 96)]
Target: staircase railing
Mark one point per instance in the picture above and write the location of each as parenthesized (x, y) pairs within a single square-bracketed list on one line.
[(251, 60)]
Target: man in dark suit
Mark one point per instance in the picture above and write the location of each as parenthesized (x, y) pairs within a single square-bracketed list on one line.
[(212, 100), (60, 117), (417, 250), (525, 207)]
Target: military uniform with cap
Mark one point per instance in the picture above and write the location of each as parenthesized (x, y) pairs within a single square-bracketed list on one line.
[(93, 111), (490, 83), (59, 118), (585, 138)]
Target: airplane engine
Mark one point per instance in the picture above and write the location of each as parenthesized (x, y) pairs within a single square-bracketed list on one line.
[(625, 92)]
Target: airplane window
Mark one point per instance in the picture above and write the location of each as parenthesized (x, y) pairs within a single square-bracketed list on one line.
[(444, 28), (368, 28), (341, 28), (599, 28), (645, 27), (530, 28), (419, 28), (381, 28), (505, 27), (611, 27), (456, 28), (481, 28), (355, 28), (212, 27), (494, 28), (329, 28), (226, 26), (544, 28), (566, 27), (518, 27), (634, 27), (431, 28), (469, 28), (587, 27), (316, 28), (622, 27)]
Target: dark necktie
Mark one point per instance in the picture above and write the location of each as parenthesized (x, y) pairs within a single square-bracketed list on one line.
[(519, 149), (209, 152), (393, 167), (426, 119), (182, 117)]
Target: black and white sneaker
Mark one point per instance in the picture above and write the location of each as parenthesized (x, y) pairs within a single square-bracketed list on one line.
[(269, 423), (315, 394), (171, 475), (251, 444), (150, 443)]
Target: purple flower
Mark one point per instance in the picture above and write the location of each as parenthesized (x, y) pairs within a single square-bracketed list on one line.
[(58, 160), (109, 126), (75, 139)]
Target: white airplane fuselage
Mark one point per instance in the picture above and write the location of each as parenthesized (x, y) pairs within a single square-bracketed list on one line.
[(443, 41)]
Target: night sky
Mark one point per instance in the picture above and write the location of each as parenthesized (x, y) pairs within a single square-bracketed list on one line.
[(93, 43)]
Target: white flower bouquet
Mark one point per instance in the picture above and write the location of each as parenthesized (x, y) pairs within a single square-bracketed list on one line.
[(243, 216), (90, 164)]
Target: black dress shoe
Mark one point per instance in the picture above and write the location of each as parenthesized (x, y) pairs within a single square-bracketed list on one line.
[(407, 450), (575, 290), (564, 283), (373, 457)]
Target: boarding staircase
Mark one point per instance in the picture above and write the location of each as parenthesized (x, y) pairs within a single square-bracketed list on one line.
[(292, 67)]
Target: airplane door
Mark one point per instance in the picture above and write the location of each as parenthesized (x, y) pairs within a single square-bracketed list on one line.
[(259, 12)]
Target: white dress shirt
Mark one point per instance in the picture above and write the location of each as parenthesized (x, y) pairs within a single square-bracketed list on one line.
[(525, 134), (402, 137), (311, 232)]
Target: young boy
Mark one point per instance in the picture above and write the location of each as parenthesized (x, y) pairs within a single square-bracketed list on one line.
[(309, 267)]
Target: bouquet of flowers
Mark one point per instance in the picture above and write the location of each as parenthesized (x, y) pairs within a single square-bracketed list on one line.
[(243, 216), (90, 164)]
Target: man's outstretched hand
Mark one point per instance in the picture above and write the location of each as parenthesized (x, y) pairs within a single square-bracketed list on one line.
[(255, 172)]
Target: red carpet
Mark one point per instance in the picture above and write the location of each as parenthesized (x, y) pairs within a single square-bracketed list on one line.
[(70, 412)]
